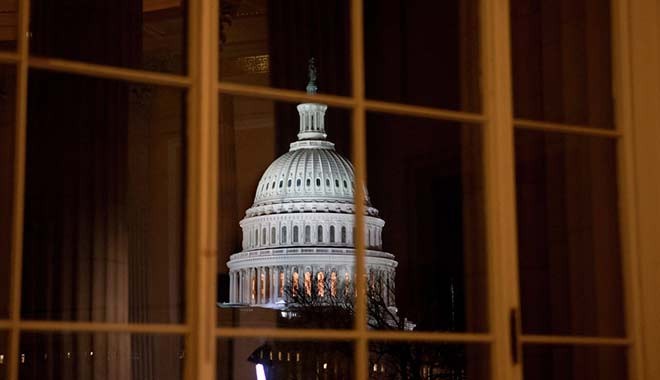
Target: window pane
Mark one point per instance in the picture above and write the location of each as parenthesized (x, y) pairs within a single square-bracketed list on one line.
[(269, 43), (568, 363), (282, 359), (7, 136), (568, 234), (8, 24), (141, 34), (276, 177), (561, 61), (104, 201), (405, 360), (426, 192), (423, 52), (100, 356)]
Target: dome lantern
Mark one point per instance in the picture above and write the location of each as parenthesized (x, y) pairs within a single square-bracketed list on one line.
[(312, 115)]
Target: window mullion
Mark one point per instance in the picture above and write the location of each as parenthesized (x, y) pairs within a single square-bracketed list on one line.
[(635, 58), (500, 185), (202, 163), (19, 187)]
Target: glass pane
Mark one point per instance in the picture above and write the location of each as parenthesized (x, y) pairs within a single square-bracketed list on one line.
[(405, 360), (423, 53), (269, 43), (561, 61), (568, 234), (286, 215), (426, 189), (140, 34), (101, 356), (8, 24), (4, 346), (267, 359), (568, 363), (104, 201), (7, 127)]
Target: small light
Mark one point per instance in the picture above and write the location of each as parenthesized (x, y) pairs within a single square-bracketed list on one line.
[(91, 353), (2, 359), (375, 367), (68, 355), (279, 355), (325, 365), (297, 356), (288, 356), (270, 356), (22, 358), (261, 374)]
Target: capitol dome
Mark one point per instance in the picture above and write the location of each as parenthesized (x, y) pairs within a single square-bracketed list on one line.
[(312, 176), (299, 233)]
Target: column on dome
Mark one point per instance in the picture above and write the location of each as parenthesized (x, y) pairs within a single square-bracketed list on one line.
[(259, 285), (244, 291), (274, 274), (241, 286), (232, 286)]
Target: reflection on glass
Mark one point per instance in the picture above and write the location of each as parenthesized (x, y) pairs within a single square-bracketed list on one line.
[(8, 24), (269, 43), (103, 233), (427, 361), (568, 234), (100, 356), (561, 59), (573, 363), (425, 177), (423, 52), (267, 359), (141, 34), (284, 168), (7, 127)]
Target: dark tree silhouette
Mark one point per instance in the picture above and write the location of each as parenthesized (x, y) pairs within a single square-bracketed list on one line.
[(320, 306)]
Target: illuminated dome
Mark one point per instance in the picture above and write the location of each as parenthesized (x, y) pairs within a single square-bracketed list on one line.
[(299, 233), (312, 176)]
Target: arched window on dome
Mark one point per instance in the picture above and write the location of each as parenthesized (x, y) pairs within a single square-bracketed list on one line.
[(281, 284), (309, 182), (333, 284), (272, 235), (327, 182), (273, 185), (332, 234), (266, 186), (318, 182), (256, 237), (308, 234), (368, 238), (343, 234), (294, 282), (320, 284), (284, 235), (336, 183), (295, 234), (345, 184), (319, 234), (281, 181), (263, 236), (298, 182), (308, 283), (288, 184)]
